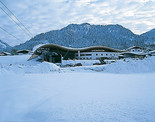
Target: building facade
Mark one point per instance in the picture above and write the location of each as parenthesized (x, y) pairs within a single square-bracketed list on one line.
[(56, 53), (96, 55)]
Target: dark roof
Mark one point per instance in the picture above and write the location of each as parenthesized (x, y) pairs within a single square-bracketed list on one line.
[(135, 47), (80, 49), (21, 51)]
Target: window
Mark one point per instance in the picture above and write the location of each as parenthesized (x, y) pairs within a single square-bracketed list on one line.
[(106, 54), (82, 54), (88, 54), (85, 54), (101, 54), (138, 50), (96, 54)]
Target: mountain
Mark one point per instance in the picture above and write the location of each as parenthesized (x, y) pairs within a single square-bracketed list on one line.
[(4, 46), (149, 38), (83, 35)]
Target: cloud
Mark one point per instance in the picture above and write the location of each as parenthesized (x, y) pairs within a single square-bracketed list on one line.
[(45, 15)]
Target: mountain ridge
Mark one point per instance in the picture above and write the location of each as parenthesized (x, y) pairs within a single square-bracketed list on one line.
[(4, 46), (85, 34)]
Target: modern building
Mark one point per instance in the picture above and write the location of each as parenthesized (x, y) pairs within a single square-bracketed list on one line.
[(56, 53)]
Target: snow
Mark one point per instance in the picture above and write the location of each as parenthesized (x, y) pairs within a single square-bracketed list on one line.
[(132, 66), (129, 66), (83, 62), (77, 97), (43, 92), (19, 64)]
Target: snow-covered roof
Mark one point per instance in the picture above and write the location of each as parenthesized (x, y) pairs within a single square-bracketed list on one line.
[(6, 53)]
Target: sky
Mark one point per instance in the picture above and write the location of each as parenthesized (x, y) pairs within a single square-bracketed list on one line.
[(41, 16)]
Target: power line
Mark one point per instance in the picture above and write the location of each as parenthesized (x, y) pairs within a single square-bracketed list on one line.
[(14, 21), (17, 18), (10, 34)]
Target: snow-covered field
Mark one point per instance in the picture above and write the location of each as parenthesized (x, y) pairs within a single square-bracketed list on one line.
[(43, 92)]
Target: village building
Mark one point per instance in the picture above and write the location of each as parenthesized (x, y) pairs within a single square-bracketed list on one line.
[(152, 53), (21, 52), (134, 52), (132, 55), (56, 53), (135, 49), (4, 53)]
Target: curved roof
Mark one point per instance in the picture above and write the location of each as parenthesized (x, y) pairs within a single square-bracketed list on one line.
[(79, 49), (135, 47), (74, 50)]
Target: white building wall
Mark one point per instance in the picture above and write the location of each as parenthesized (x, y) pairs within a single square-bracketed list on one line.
[(96, 55)]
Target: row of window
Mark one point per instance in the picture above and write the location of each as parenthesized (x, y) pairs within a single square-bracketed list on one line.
[(85, 54), (87, 58), (97, 54)]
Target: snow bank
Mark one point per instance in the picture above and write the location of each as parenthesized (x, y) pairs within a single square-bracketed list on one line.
[(19, 64), (44, 67), (129, 66), (132, 66), (83, 62)]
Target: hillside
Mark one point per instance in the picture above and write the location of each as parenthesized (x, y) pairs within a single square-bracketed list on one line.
[(83, 35), (4, 46), (149, 38)]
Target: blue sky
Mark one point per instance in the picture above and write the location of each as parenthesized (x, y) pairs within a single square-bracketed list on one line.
[(40, 16)]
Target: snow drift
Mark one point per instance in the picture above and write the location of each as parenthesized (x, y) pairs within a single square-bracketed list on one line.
[(132, 66), (128, 66), (19, 64)]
